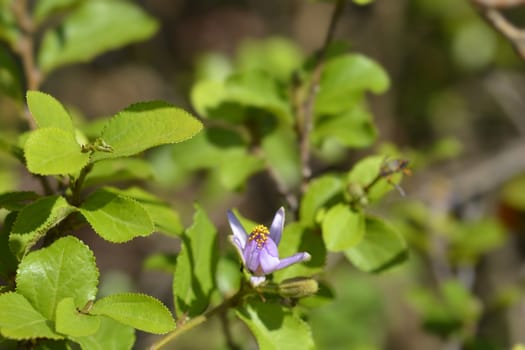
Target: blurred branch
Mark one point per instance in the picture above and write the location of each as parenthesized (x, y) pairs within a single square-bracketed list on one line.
[(488, 9)]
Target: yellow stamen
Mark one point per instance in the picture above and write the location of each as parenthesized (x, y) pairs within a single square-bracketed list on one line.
[(260, 234)]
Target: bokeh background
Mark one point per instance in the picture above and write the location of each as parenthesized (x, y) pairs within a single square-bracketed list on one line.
[(455, 109)]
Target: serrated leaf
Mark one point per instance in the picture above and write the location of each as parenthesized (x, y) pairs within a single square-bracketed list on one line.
[(116, 218), (48, 112), (8, 261), (53, 151), (117, 170), (93, 28), (299, 238), (137, 310), (64, 269), (351, 128), (345, 79), (111, 335), (20, 320), (194, 278), (146, 125), (275, 327), (342, 228), (322, 191), (380, 248), (165, 218), (73, 323), (14, 201), (35, 220)]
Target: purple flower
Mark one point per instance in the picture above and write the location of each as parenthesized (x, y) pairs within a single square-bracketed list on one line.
[(258, 250)]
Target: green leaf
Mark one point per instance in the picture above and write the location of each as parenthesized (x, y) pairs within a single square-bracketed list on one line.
[(380, 248), (234, 176), (53, 151), (322, 191), (299, 238), (64, 269), (20, 320), (137, 310), (9, 30), (14, 201), (48, 112), (366, 170), (44, 8), (8, 261), (165, 218), (111, 335), (92, 28), (275, 327), (351, 128), (35, 220), (73, 323), (194, 278), (514, 193), (164, 262), (345, 79), (363, 2), (116, 218), (343, 228), (118, 170), (10, 75), (145, 125)]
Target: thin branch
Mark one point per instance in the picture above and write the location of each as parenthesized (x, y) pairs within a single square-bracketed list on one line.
[(514, 34), (305, 110), (500, 3)]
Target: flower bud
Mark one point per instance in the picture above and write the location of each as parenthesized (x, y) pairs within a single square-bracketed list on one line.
[(298, 287)]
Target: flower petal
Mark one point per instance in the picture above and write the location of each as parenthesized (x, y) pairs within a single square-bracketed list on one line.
[(257, 280), (237, 229), (269, 257), (276, 229), (299, 257), (251, 256), (237, 244)]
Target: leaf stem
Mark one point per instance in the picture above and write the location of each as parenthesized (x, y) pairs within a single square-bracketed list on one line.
[(305, 109)]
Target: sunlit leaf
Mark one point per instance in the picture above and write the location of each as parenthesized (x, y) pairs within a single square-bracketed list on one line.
[(342, 227), (70, 321), (48, 112)]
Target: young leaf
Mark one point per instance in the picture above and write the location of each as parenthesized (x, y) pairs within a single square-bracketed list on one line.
[(380, 248), (116, 218), (64, 269), (194, 278), (44, 8), (53, 151), (345, 79), (14, 201), (137, 310), (48, 112), (20, 320), (117, 170), (275, 327), (8, 261), (111, 335), (342, 227), (366, 170), (35, 220), (145, 125), (10, 75), (93, 28), (320, 192), (73, 323), (165, 218)]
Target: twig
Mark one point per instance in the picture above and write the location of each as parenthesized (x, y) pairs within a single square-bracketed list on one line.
[(500, 3), (305, 112), (514, 34)]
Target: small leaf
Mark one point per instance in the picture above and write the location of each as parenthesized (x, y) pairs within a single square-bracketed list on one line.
[(92, 28), (35, 220), (322, 191), (145, 125), (44, 8), (118, 170), (116, 218), (10, 75), (366, 170), (52, 151), (164, 217), (14, 201), (111, 335), (20, 320), (342, 227), (194, 278), (64, 269), (380, 248), (8, 261), (48, 112), (137, 310), (345, 79), (275, 327), (73, 323), (234, 176)]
